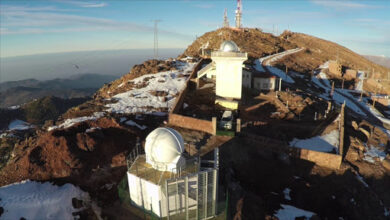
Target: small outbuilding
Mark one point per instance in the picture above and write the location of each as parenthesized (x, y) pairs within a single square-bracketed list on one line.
[(167, 182)]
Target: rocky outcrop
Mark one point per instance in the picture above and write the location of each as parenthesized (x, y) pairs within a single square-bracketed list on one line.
[(70, 153)]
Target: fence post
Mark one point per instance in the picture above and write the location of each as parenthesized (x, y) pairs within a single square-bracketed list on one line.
[(238, 125), (186, 196), (214, 122), (166, 193)]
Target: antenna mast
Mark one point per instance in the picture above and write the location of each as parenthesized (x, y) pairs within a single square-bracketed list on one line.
[(225, 19), (156, 39), (238, 14)]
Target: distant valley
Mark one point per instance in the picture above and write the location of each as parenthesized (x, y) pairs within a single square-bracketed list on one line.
[(18, 92), (381, 60)]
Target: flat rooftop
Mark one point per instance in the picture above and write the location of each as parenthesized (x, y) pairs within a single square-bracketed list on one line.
[(145, 171)]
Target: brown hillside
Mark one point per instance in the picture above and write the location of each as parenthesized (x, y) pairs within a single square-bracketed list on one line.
[(323, 50), (253, 41)]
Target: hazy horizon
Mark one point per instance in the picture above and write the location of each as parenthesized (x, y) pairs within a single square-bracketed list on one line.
[(67, 64)]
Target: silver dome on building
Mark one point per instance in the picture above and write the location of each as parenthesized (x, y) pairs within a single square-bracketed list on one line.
[(229, 46)]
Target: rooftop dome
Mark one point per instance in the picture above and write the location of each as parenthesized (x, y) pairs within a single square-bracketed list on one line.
[(229, 46), (163, 149)]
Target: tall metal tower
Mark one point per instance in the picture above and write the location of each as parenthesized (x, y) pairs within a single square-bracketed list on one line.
[(225, 19), (156, 39), (238, 14)]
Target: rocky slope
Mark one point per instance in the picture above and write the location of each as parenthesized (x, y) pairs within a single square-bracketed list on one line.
[(258, 44)]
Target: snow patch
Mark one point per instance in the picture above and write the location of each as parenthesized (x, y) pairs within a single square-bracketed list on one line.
[(378, 115), (325, 143), (372, 152), (142, 100), (19, 125), (287, 193), (361, 179), (132, 123), (288, 212), (92, 129), (258, 66), (325, 65), (70, 122), (273, 58), (34, 200), (120, 85), (14, 107)]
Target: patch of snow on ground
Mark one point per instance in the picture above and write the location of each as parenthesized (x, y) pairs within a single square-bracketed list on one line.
[(325, 143), (71, 121), (361, 179), (287, 193), (133, 123), (372, 152), (34, 200), (340, 98), (14, 107), (92, 129), (142, 101), (378, 115), (19, 125), (386, 212), (273, 58), (360, 76), (288, 212), (281, 74), (258, 66), (325, 65)]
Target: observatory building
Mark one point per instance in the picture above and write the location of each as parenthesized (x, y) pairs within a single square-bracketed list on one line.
[(228, 65), (167, 182)]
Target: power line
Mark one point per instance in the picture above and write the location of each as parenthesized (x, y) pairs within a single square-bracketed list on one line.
[(156, 38)]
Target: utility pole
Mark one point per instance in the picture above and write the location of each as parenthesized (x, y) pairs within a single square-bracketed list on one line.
[(286, 71), (374, 99), (361, 92), (225, 19), (238, 14), (156, 38)]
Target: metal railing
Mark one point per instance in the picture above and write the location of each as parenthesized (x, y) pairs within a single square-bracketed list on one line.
[(228, 54)]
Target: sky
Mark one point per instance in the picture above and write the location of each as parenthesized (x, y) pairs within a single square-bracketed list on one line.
[(38, 27)]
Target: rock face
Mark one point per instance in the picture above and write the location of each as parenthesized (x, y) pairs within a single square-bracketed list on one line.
[(258, 44), (71, 153), (253, 41)]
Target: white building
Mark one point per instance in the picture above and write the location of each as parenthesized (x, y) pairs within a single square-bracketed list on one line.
[(228, 64), (167, 182), (260, 81)]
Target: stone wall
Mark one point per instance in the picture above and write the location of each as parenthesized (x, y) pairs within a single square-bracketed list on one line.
[(335, 68), (329, 160), (341, 129), (191, 123), (180, 98), (350, 74), (174, 117)]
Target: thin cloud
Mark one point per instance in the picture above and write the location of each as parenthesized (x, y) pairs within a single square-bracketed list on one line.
[(204, 6), (85, 4), (40, 20), (340, 5)]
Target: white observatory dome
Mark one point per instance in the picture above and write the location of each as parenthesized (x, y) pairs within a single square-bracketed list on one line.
[(164, 148), (229, 46)]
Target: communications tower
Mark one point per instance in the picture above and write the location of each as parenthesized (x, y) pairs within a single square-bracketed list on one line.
[(238, 14), (225, 19)]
